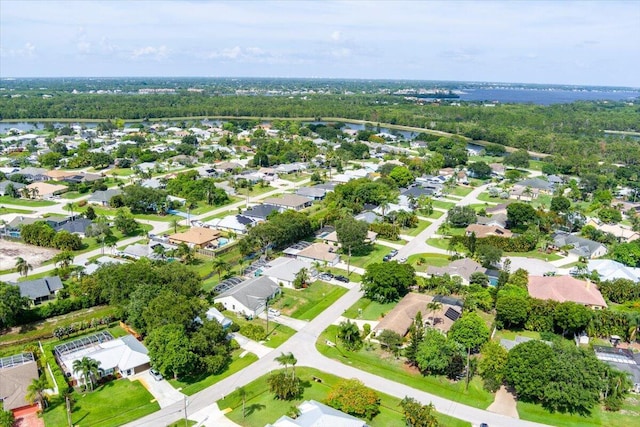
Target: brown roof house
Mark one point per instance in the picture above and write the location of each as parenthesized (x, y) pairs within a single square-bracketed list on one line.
[(319, 252), (16, 374), (399, 319), (44, 190), (566, 288), (462, 268), (487, 230), (196, 237), (289, 201)]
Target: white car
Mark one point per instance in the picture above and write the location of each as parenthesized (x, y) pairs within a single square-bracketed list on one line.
[(402, 259), (273, 312)]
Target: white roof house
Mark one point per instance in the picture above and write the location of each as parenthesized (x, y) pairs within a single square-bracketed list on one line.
[(316, 414), (248, 298), (236, 223), (610, 270), (126, 356), (283, 270)]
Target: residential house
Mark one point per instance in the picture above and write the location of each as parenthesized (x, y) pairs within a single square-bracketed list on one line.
[(291, 168), (622, 233), (530, 188), (487, 230), (226, 167), (566, 288), (103, 197), (622, 359), (76, 226), (332, 238), (260, 212), (39, 290), (238, 224), (16, 186), (154, 183), (315, 414), (283, 270), (125, 356), (34, 174), (497, 220), (497, 209), (608, 269), (82, 178), (319, 252), (462, 268), (196, 237), (368, 217), (58, 174), (17, 372), (214, 314), (400, 318), (579, 245), (311, 193), (249, 297), (289, 201), (44, 190)]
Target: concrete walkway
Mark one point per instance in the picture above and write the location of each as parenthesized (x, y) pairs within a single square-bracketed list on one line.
[(252, 346), (162, 390), (294, 324)]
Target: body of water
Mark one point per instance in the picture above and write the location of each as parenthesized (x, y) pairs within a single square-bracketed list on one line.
[(544, 96)]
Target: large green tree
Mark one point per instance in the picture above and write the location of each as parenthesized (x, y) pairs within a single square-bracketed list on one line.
[(12, 304), (352, 235), (170, 350), (354, 398), (388, 281)]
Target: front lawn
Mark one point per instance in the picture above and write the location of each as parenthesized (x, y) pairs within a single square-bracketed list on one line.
[(306, 304), (261, 408), (371, 310), (113, 404), (383, 364), (192, 385), (426, 260), (353, 277), (377, 253), (535, 254), (277, 335), (443, 205), (461, 191), (25, 202), (6, 210), (416, 230)]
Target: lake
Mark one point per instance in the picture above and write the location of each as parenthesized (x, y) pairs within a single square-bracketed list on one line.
[(545, 96)]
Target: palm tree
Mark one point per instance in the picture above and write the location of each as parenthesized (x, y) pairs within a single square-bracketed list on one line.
[(88, 368), (69, 207), (35, 192), (175, 223), (286, 360), (23, 267), (35, 391), (433, 306), (24, 192), (220, 266), (64, 258), (243, 394), (160, 251)]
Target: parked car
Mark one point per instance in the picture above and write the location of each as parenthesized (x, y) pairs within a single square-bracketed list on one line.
[(155, 374), (484, 425), (341, 279), (386, 258), (402, 260), (325, 276), (393, 252), (273, 312)]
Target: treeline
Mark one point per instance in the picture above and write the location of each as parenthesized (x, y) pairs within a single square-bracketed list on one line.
[(566, 129)]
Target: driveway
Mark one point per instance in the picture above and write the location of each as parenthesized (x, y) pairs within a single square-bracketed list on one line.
[(251, 346), (163, 392), (294, 324)]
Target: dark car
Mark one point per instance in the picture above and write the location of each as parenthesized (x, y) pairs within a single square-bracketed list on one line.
[(484, 425), (341, 279), (387, 258)]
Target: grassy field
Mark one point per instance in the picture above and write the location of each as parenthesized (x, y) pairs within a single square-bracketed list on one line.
[(435, 260), (192, 385), (73, 195), (112, 404), (461, 191), (40, 330), (354, 277), (6, 210), (278, 333), (416, 230), (373, 257), (535, 254), (25, 202), (443, 205), (306, 304), (261, 408), (385, 365), (371, 310)]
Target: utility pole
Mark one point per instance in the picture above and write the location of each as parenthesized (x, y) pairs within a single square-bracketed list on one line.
[(266, 304)]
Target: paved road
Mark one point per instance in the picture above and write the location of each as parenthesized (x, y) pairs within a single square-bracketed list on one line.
[(418, 244), (302, 345)]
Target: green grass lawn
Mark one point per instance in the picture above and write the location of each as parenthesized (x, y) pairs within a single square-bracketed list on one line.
[(261, 408), (416, 230), (306, 304), (461, 191), (433, 215), (371, 310), (112, 404), (221, 215), (277, 335), (90, 243), (354, 277), (599, 417), (485, 197), (443, 205), (435, 260), (373, 257), (192, 385), (6, 210), (385, 365), (73, 195), (26, 202), (535, 254)]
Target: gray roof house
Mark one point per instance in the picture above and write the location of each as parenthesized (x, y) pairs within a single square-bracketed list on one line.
[(316, 414), (463, 268), (260, 212), (537, 183), (499, 220), (248, 298), (76, 226), (5, 183), (39, 290), (103, 197), (283, 270), (34, 174), (312, 193), (580, 246), (368, 217)]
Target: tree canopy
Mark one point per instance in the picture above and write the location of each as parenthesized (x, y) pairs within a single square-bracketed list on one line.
[(388, 281)]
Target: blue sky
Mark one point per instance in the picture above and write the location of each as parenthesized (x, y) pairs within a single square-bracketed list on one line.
[(587, 43)]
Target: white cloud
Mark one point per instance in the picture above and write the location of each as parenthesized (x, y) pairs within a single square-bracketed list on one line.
[(238, 53), (336, 36), (156, 53), (341, 53)]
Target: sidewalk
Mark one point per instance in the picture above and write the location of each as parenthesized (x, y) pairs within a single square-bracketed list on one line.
[(251, 346)]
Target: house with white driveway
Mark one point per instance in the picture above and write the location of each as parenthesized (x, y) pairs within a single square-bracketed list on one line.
[(248, 298)]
